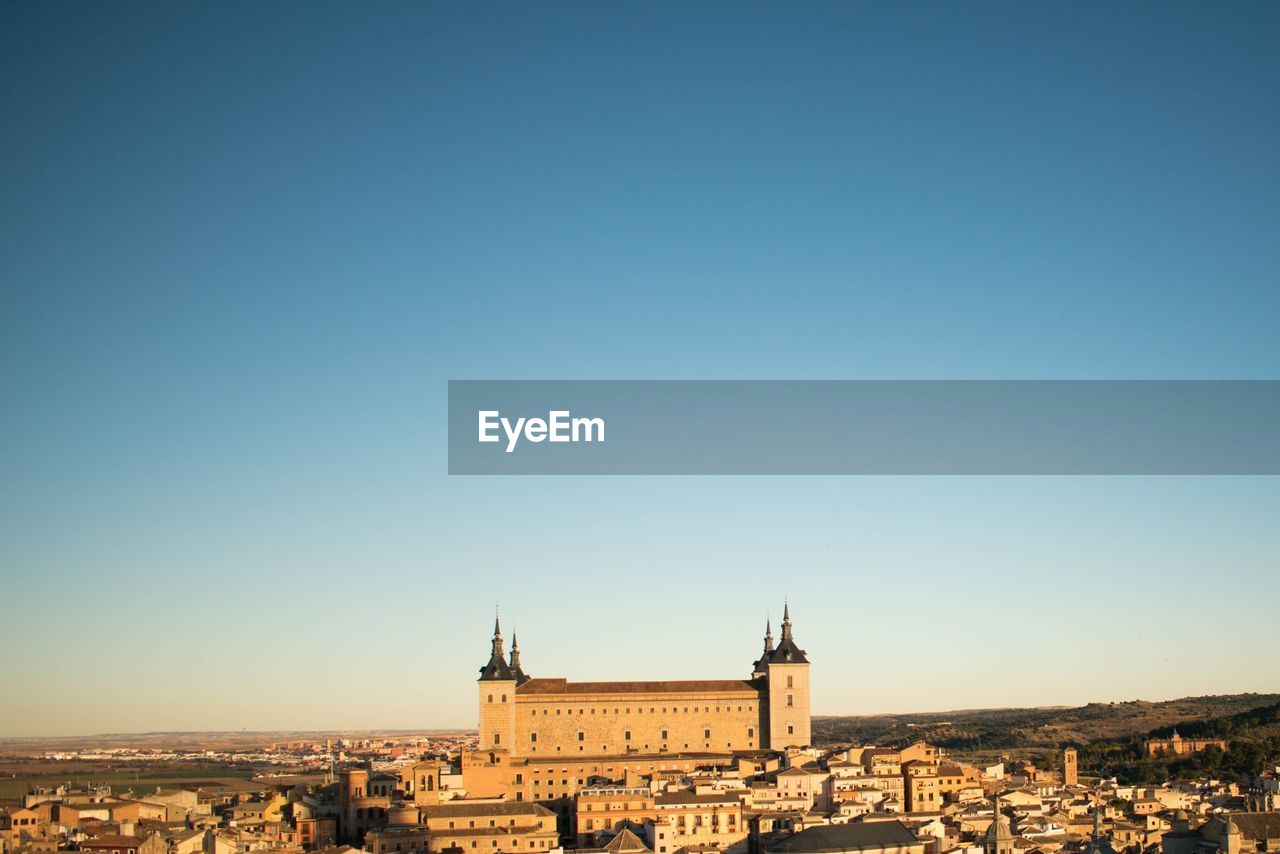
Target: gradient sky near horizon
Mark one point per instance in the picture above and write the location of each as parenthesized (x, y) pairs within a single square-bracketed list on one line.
[(243, 248)]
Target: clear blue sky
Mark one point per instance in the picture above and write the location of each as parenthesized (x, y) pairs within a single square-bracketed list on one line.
[(244, 247)]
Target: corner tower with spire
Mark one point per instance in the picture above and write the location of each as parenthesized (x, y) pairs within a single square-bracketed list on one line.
[(786, 673), (497, 683)]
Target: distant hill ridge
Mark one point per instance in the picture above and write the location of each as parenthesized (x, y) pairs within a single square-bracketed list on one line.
[(1252, 723), (1214, 716)]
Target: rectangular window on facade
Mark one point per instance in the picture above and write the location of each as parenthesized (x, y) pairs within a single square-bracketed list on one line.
[(791, 682), (626, 735), (790, 701), (706, 733), (581, 735)]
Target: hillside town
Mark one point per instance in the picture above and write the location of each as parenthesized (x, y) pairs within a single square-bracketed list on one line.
[(673, 767)]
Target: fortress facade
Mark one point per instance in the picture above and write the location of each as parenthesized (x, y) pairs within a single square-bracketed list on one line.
[(523, 717)]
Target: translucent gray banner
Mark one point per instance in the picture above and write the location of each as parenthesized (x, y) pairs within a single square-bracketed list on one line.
[(863, 427)]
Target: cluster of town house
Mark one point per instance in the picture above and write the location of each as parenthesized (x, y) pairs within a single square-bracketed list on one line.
[(672, 767)]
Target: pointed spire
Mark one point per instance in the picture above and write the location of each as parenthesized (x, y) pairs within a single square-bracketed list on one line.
[(497, 635), (497, 667), (768, 635), (786, 652)]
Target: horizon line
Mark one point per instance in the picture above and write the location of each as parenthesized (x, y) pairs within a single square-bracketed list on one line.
[(474, 728)]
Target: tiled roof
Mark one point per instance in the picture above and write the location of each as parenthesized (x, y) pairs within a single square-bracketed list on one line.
[(497, 670), (686, 797), (112, 841), (489, 831), (624, 842), (462, 809), (697, 686), (847, 837), (1253, 825), (786, 652)]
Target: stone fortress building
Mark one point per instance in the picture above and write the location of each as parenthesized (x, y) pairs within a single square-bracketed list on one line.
[(544, 739), (548, 716)]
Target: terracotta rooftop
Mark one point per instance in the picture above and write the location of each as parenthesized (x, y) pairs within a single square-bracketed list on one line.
[(869, 836), (463, 809), (625, 841), (114, 841), (489, 831), (1256, 826), (696, 686), (685, 797)]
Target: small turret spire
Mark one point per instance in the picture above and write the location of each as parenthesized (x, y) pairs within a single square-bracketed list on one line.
[(768, 635), (516, 670), (786, 621)]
